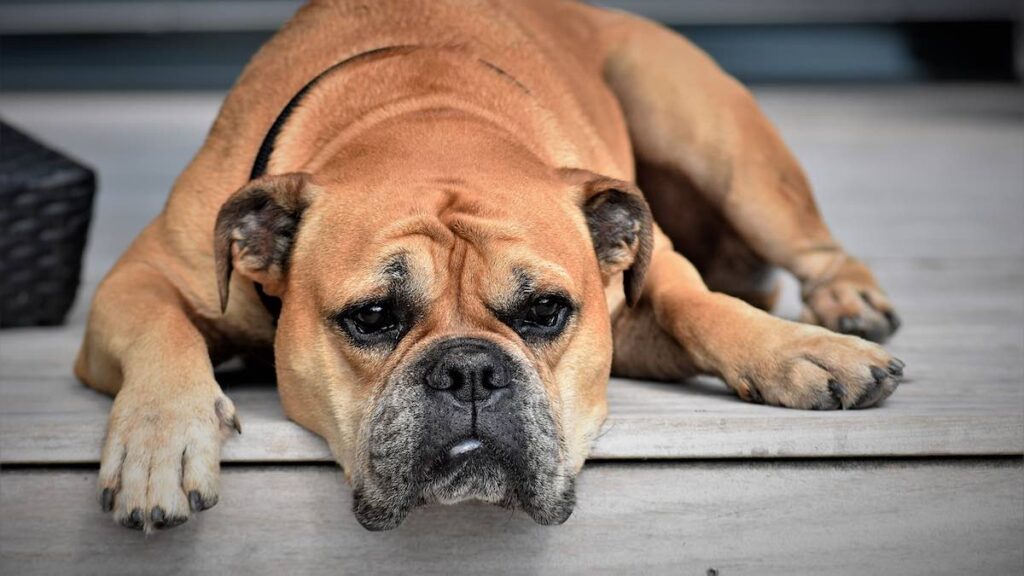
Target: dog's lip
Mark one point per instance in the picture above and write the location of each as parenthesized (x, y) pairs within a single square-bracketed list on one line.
[(457, 454), (453, 458), (464, 448)]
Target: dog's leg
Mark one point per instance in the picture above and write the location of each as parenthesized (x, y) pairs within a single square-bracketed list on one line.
[(690, 120), (689, 330), (161, 458)]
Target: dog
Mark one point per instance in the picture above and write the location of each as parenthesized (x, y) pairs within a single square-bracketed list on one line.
[(432, 212)]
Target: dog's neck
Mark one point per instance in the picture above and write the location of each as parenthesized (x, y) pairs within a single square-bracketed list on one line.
[(381, 87)]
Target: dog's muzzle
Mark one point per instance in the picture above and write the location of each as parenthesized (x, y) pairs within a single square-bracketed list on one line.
[(465, 420)]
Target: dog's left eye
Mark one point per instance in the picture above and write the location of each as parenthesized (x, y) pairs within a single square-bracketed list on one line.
[(372, 323), (544, 311), (543, 318), (373, 318)]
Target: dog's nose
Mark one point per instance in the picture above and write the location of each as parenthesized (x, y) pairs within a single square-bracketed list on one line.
[(469, 369)]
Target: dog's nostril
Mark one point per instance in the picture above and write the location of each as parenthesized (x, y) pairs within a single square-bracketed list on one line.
[(455, 379), (494, 378), (440, 378)]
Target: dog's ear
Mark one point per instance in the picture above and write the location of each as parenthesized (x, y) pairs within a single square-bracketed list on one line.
[(620, 226), (255, 230)]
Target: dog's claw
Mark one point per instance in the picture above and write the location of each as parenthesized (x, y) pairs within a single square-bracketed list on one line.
[(894, 321), (197, 503), (107, 500), (158, 517), (134, 520), (896, 367), (835, 389), (878, 374), (226, 412)]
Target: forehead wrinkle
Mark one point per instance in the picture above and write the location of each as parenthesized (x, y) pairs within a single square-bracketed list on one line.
[(420, 225), (480, 232)]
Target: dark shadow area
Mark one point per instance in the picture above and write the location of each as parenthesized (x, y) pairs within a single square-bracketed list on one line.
[(963, 50), (755, 53), (247, 372)]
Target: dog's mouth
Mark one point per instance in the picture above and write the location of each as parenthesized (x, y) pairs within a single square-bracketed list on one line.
[(470, 470), (504, 450)]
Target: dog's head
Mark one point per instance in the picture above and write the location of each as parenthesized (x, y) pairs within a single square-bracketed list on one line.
[(446, 332)]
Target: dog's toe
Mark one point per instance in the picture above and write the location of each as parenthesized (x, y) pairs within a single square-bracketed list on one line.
[(133, 519), (198, 502), (853, 309)]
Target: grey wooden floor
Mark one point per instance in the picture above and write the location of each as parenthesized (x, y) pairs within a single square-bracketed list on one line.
[(927, 184)]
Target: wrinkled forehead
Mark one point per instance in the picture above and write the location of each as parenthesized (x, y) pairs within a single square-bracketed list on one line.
[(426, 242)]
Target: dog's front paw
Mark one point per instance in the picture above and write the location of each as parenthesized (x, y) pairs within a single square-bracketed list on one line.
[(849, 301), (814, 369), (161, 460)]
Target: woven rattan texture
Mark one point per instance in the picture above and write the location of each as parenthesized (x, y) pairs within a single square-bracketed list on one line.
[(45, 208)]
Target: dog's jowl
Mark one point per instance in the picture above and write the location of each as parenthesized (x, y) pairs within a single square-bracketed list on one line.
[(437, 224)]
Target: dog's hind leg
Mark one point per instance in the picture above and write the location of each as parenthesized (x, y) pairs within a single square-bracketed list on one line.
[(692, 123), (161, 457), (679, 328)]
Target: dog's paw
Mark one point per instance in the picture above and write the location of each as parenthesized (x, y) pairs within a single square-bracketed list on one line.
[(161, 459), (815, 369), (850, 302)]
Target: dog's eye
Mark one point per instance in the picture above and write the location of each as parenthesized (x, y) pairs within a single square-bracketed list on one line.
[(372, 323), (543, 318), (544, 311), (373, 318)]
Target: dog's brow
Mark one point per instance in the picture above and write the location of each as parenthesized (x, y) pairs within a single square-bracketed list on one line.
[(396, 268), (525, 282), (398, 284), (422, 226)]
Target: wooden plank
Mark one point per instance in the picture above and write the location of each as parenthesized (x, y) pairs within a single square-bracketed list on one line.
[(869, 517), (705, 425)]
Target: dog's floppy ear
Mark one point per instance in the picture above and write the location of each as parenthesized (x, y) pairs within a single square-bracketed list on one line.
[(620, 226), (255, 229)]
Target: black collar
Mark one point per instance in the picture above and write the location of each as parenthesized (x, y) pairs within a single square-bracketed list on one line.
[(259, 167)]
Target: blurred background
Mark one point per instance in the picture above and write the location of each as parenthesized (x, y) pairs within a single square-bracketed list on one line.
[(196, 44)]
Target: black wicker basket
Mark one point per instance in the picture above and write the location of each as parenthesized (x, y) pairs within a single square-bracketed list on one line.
[(45, 208)]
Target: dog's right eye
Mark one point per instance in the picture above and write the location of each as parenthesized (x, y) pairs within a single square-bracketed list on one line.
[(372, 323)]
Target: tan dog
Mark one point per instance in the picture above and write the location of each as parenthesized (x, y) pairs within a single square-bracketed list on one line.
[(438, 197)]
